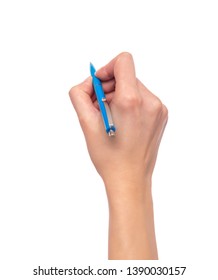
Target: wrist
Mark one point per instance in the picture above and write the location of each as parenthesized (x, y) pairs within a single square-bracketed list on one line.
[(129, 193)]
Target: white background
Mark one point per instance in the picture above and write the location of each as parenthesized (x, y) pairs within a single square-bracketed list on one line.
[(53, 205)]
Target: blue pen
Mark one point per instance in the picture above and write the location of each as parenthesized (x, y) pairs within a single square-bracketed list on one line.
[(102, 102)]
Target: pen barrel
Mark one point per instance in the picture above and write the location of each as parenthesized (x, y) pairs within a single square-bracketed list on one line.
[(109, 116), (103, 105), (100, 95), (98, 89)]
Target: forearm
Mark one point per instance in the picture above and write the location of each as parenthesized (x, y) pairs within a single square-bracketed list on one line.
[(131, 224)]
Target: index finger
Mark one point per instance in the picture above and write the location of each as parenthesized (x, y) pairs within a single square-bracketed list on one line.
[(121, 68)]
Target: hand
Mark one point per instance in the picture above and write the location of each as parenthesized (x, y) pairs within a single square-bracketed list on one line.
[(125, 162), (139, 116)]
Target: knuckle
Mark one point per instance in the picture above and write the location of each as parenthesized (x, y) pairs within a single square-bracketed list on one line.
[(107, 73), (72, 91), (165, 112), (156, 106), (131, 101)]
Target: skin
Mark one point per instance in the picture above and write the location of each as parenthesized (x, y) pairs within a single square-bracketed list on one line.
[(140, 119)]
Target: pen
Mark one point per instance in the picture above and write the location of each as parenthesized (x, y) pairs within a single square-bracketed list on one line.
[(102, 102)]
